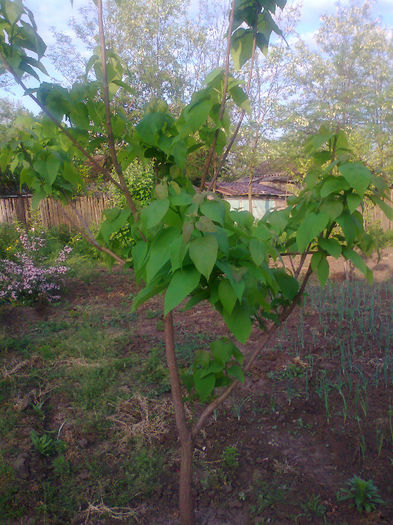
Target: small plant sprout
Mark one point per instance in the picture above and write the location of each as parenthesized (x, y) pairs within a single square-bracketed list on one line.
[(314, 506), (362, 494), (237, 405), (44, 444), (38, 409), (230, 457)]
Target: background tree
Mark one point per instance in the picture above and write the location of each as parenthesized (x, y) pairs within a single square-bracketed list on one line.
[(167, 50), (9, 178), (343, 78)]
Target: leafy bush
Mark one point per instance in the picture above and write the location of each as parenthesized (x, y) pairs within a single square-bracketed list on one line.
[(382, 238), (26, 275), (140, 180)]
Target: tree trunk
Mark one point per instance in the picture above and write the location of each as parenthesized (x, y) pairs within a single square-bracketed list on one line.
[(186, 443), (186, 506)]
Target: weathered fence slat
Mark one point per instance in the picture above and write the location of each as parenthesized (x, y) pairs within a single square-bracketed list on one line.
[(51, 212)]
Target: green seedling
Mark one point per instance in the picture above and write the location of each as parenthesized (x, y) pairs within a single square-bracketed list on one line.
[(151, 314), (38, 410), (237, 405), (230, 457), (160, 325), (45, 444), (314, 506), (362, 494)]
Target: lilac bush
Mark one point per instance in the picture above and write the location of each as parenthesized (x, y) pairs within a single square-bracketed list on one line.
[(28, 276)]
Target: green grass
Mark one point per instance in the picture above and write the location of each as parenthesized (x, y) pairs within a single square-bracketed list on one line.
[(80, 356)]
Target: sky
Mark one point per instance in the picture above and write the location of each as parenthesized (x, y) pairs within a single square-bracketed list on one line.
[(56, 13)]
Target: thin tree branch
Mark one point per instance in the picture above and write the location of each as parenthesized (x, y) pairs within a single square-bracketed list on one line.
[(224, 95), (235, 133), (87, 233), (108, 120)]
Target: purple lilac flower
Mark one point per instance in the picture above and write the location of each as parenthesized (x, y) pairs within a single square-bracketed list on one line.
[(27, 276)]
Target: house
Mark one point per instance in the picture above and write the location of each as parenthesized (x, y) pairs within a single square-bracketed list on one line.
[(268, 192)]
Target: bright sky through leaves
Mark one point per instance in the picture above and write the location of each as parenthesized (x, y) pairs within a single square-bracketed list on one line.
[(56, 13)]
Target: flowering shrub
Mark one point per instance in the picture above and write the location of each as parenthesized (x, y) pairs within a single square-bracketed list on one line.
[(26, 277)]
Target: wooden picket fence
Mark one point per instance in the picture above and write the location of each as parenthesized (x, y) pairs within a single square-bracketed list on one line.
[(89, 210), (50, 212)]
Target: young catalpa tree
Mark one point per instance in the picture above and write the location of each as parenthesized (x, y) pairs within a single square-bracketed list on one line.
[(187, 243)]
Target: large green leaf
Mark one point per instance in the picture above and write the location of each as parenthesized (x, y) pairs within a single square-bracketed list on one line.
[(215, 210), (311, 227), (13, 10), (115, 219), (240, 98), (323, 271), (387, 210), (53, 166), (197, 114), (147, 293), (204, 384), (206, 225), (263, 42), (288, 284), (353, 201), (154, 213), (236, 372), (333, 184), (349, 226), (333, 207), (320, 266), (357, 176), (357, 260), (257, 251), (331, 246), (182, 284), (178, 250), (203, 253), (213, 76), (160, 251), (227, 295), (241, 46), (150, 126), (222, 349), (239, 323), (71, 174), (278, 219), (139, 252)]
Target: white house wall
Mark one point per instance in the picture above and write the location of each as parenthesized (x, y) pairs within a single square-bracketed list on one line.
[(259, 206)]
